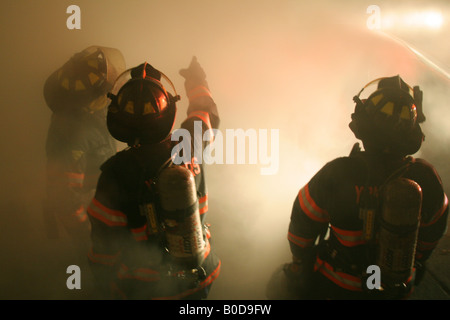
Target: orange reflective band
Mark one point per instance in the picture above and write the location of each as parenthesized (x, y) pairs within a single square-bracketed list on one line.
[(75, 179), (199, 91), (105, 259), (203, 199), (208, 234), (426, 246), (141, 274), (204, 209), (108, 216), (81, 214), (310, 208), (202, 115), (140, 234), (74, 175), (342, 279), (203, 204), (348, 238), (300, 241)]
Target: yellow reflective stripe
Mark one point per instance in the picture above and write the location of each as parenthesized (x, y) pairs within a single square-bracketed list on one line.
[(348, 238), (199, 91), (148, 108), (388, 108), (376, 99), (203, 204), (342, 279), (300, 241), (65, 83), (93, 63), (129, 107), (79, 85), (140, 234), (75, 179), (405, 113), (93, 78), (309, 207), (108, 216)]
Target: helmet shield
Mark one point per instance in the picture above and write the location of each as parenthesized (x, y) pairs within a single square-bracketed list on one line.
[(141, 109)]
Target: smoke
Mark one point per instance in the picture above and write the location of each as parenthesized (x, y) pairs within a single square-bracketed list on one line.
[(283, 65)]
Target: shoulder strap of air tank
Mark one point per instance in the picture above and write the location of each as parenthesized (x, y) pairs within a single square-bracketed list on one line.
[(397, 173)]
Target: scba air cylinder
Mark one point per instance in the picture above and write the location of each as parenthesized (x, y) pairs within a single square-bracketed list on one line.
[(400, 217), (180, 216)]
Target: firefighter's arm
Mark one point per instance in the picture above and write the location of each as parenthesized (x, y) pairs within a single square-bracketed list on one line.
[(310, 218), (434, 214), (65, 179), (201, 102), (306, 225), (293, 280), (430, 232), (109, 229)]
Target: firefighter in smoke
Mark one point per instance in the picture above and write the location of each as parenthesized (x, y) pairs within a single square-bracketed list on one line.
[(78, 141), (374, 208), (149, 237)]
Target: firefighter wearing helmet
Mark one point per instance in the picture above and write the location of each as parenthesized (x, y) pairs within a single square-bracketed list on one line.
[(78, 141), (365, 224), (148, 216)]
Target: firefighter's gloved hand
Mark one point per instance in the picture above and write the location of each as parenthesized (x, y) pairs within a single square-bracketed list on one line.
[(299, 274), (290, 281), (198, 93), (194, 75)]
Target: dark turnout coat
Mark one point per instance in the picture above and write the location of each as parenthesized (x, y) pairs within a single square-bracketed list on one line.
[(331, 199)]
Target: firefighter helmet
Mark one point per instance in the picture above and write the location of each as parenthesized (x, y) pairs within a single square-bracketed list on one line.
[(388, 120), (141, 110), (83, 81)]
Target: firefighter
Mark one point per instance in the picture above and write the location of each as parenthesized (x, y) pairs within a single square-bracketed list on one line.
[(149, 235), (78, 141), (364, 226)]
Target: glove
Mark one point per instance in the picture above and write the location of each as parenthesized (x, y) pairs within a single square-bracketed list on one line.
[(197, 91), (194, 76), (291, 281)]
